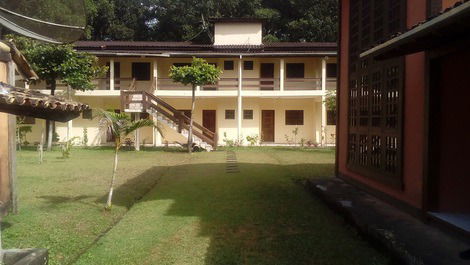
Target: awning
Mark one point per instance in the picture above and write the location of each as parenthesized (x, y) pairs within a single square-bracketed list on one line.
[(27, 102), (450, 27)]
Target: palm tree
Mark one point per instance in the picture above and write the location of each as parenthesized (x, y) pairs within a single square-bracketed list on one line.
[(120, 125)]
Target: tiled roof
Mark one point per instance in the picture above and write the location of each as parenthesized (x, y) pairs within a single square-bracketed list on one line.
[(27, 102), (153, 47), (434, 27)]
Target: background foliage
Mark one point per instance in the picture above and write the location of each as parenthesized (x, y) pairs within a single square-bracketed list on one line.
[(181, 20)]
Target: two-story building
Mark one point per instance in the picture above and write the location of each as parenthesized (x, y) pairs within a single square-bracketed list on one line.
[(273, 91)]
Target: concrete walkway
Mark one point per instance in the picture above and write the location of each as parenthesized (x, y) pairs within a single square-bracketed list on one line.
[(410, 240)]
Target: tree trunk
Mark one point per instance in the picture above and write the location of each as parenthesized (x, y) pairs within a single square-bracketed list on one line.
[(111, 187), (190, 135), (49, 123)]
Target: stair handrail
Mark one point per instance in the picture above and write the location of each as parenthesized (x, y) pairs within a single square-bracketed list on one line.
[(179, 114), (172, 113)]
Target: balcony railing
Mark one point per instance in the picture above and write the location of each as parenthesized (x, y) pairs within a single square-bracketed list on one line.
[(302, 84), (119, 83), (331, 84), (224, 84)]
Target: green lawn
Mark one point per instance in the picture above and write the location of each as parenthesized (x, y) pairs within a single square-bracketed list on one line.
[(185, 210)]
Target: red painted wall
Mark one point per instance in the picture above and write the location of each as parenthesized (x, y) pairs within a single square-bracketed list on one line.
[(454, 133), (449, 3), (413, 131)]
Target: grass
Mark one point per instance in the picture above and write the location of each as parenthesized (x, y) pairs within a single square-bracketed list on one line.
[(186, 210)]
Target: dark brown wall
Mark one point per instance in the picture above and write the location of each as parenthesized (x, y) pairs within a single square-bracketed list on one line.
[(453, 136), (413, 132)]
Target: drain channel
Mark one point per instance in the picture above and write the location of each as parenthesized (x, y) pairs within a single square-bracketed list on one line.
[(232, 163)]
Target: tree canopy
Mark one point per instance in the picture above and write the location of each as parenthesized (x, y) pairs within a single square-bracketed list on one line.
[(60, 62), (199, 73), (182, 20)]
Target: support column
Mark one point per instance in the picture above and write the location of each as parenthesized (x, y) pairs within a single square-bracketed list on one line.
[(111, 74), (137, 134), (239, 99), (69, 130), (155, 75), (281, 75), (323, 105), (69, 123)]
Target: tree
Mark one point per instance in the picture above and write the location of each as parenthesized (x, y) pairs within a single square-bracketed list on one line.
[(60, 62), (161, 20), (199, 73), (330, 100), (120, 125)]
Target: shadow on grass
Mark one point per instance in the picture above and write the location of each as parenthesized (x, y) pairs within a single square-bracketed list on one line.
[(257, 216)]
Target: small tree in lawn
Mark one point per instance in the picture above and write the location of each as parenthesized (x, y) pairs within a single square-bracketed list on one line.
[(120, 125), (199, 73), (59, 62)]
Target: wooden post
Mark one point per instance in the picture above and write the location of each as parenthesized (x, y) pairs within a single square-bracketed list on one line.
[(12, 145)]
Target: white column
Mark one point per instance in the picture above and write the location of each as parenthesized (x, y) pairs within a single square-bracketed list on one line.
[(323, 105), (111, 74), (239, 99), (323, 73), (137, 134), (281, 75), (155, 75), (69, 123), (69, 129)]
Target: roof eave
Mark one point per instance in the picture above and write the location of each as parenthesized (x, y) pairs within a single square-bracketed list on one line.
[(429, 35)]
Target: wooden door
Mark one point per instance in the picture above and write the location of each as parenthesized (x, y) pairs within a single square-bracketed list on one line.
[(267, 125), (208, 120), (267, 71)]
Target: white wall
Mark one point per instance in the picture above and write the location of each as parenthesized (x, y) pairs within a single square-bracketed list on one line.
[(238, 34)]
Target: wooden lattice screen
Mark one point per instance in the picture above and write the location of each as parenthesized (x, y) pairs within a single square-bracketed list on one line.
[(375, 92)]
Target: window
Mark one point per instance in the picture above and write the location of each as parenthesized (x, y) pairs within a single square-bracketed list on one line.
[(181, 64), (331, 70), (294, 117), (141, 71), (247, 65), (26, 120), (228, 65), (87, 114), (229, 114), (295, 70), (248, 114), (330, 117), (375, 93)]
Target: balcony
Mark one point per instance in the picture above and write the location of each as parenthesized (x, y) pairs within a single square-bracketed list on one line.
[(250, 84), (225, 87)]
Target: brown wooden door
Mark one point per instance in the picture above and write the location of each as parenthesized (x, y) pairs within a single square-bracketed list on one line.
[(208, 120), (267, 71), (267, 125)]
